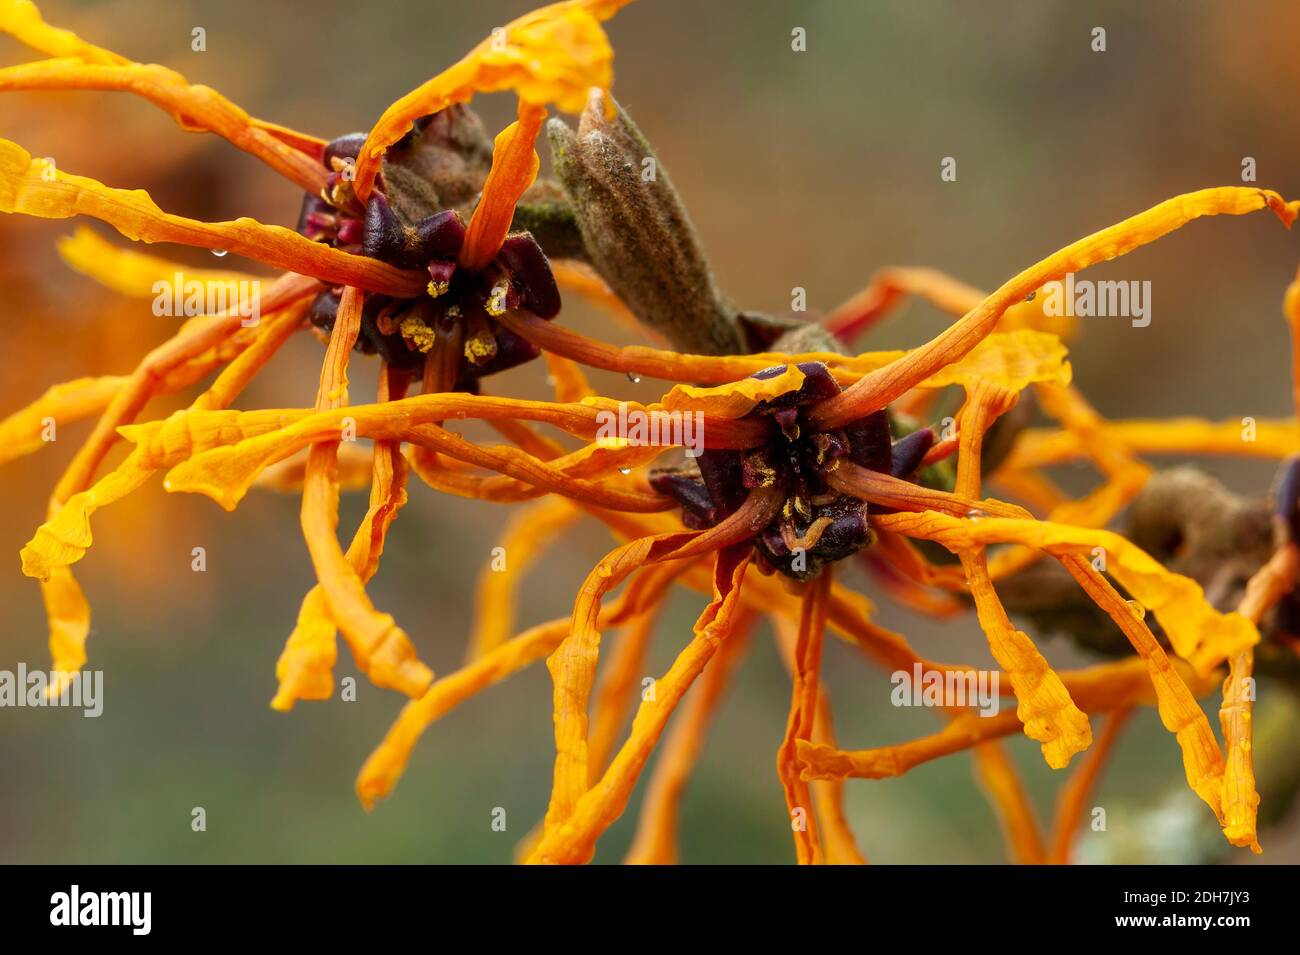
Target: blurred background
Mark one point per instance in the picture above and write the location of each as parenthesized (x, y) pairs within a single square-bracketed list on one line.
[(808, 169)]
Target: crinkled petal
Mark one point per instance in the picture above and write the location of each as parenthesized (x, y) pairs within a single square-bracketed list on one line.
[(30, 187), (1179, 711), (736, 399), (1012, 360), (881, 387), (573, 665), (1199, 633), (386, 764), (305, 668), (381, 648), (69, 620), (555, 54), (65, 537), (195, 109), (572, 838), (1045, 707), (1274, 439)]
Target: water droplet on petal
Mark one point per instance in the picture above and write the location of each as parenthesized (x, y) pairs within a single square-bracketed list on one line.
[(974, 514), (634, 378), (1138, 610), (624, 470), (219, 253)]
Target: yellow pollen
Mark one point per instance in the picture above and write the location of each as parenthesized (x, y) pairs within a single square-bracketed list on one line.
[(480, 347), (417, 333)]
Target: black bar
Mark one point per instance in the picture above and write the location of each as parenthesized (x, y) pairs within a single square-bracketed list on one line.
[(306, 904)]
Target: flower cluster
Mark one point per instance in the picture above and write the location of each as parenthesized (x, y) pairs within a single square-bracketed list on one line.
[(817, 524), (806, 461), (465, 296)]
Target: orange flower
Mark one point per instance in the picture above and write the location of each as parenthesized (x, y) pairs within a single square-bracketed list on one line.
[(794, 465)]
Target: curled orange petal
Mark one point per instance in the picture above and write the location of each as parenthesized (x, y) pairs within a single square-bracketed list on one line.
[(1198, 632), (803, 714), (514, 169), (386, 764), (838, 841), (736, 399), (35, 188), (305, 668), (573, 665), (554, 54), (1045, 706), (66, 607), (195, 108), (1274, 439), (68, 615), (879, 388), (382, 649), (572, 839), (880, 488), (1179, 711), (1236, 713)]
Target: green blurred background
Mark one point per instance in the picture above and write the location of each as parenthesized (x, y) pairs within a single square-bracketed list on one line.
[(805, 169)]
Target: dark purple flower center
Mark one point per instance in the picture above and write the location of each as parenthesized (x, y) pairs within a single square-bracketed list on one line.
[(817, 524), (460, 306)]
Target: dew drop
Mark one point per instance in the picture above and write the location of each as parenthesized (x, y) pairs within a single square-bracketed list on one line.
[(625, 470), (219, 253), (1137, 608), (974, 514), (634, 378)]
